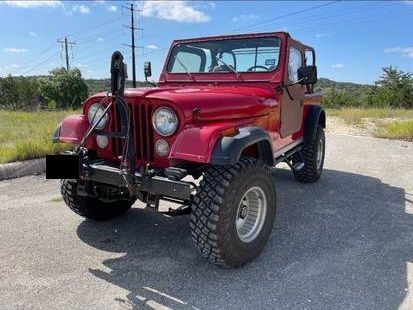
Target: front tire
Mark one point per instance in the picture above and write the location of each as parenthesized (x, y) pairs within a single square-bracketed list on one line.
[(92, 207), (233, 212)]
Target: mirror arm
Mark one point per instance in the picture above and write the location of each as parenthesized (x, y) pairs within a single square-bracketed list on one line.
[(150, 83), (285, 86)]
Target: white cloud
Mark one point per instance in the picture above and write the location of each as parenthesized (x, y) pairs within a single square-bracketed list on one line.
[(405, 51), (321, 35), (100, 39), (83, 9), (180, 11), (33, 34), (337, 66), (152, 47), (15, 50), (245, 17), (33, 4), (14, 66), (112, 8)]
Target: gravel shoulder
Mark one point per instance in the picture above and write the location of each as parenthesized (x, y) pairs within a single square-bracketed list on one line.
[(345, 242)]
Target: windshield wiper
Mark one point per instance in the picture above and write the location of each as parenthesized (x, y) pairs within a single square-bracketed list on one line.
[(185, 68), (225, 64)]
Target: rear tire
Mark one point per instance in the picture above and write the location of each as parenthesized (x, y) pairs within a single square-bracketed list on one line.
[(91, 207), (312, 155), (233, 212)]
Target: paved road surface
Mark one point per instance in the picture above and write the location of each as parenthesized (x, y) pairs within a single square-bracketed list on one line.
[(345, 242)]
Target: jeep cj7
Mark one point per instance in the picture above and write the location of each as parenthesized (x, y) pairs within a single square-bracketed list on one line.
[(226, 110)]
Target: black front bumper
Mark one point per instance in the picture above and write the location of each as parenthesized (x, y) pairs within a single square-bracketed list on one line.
[(72, 167)]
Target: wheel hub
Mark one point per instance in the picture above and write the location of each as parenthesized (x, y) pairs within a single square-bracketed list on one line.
[(243, 211), (251, 214)]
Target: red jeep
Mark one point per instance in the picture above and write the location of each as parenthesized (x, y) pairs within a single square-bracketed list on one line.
[(226, 110)]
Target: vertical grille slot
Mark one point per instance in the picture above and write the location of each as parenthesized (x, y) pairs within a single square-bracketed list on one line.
[(141, 114)]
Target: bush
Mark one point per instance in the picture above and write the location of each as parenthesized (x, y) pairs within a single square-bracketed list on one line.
[(66, 87)]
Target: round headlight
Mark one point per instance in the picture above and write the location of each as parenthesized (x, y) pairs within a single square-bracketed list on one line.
[(164, 121), (95, 112)]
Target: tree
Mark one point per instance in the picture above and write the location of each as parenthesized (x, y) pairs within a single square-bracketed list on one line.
[(333, 98), (66, 87), (394, 89), (9, 94)]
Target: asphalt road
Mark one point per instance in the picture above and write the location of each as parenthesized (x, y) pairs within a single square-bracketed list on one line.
[(345, 242)]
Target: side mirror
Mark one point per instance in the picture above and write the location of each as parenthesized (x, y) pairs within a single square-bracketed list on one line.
[(147, 69), (307, 75)]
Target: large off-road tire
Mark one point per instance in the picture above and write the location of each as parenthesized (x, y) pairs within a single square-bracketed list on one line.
[(92, 207), (233, 212), (312, 156)]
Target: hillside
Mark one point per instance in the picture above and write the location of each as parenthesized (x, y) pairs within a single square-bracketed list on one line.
[(97, 85), (324, 84)]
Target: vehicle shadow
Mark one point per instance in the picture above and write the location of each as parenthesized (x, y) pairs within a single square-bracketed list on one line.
[(340, 243)]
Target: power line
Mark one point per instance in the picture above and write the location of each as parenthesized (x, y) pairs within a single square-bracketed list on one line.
[(66, 44), (111, 21), (287, 15), (327, 17)]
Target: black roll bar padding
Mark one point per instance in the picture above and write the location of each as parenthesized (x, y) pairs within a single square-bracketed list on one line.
[(118, 76), (117, 71)]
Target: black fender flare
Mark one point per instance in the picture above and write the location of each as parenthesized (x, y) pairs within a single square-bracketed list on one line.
[(228, 150), (316, 115)]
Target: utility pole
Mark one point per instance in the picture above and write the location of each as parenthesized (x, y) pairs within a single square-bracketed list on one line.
[(66, 43), (132, 45)]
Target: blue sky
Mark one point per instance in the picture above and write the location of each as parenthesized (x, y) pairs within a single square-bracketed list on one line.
[(353, 39)]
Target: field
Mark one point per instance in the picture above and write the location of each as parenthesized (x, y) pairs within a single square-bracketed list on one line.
[(25, 135), (378, 122)]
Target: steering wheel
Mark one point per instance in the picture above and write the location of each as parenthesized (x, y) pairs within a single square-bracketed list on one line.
[(255, 67)]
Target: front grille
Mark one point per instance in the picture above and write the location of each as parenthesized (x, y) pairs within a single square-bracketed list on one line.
[(141, 115)]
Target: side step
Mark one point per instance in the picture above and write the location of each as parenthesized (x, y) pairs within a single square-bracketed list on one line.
[(286, 157)]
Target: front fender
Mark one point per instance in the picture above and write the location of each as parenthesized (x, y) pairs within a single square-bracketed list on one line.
[(196, 143), (72, 129), (206, 144), (228, 150)]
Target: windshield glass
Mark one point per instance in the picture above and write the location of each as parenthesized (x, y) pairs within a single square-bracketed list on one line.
[(225, 56)]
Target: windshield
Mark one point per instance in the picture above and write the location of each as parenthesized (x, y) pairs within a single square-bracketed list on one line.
[(225, 56)]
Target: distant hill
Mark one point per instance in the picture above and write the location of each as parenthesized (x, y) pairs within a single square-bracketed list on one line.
[(323, 84)]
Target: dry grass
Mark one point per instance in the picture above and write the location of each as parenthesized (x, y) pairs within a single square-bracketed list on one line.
[(26, 135), (381, 122), (355, 116)]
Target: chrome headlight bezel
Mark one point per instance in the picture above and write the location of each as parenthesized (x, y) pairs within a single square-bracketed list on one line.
[(158, 127), (93, 114)]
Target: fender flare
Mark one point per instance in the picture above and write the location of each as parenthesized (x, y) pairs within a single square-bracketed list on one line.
[(316, 115), (228, 150)]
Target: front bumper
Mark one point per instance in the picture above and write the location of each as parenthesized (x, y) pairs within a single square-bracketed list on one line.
[(154, 183)]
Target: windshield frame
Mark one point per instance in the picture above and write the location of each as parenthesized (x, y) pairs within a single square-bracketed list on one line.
[(245, 74)]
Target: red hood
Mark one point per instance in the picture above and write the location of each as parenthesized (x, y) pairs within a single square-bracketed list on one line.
[(215, 102)]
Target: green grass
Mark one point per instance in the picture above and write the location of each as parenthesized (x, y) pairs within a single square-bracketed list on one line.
[(355, 116), (402, 130), (26, 135), (57, 199)]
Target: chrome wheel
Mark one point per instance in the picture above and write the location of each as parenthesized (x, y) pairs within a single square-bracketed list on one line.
[(251, 214), (320, 153)]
